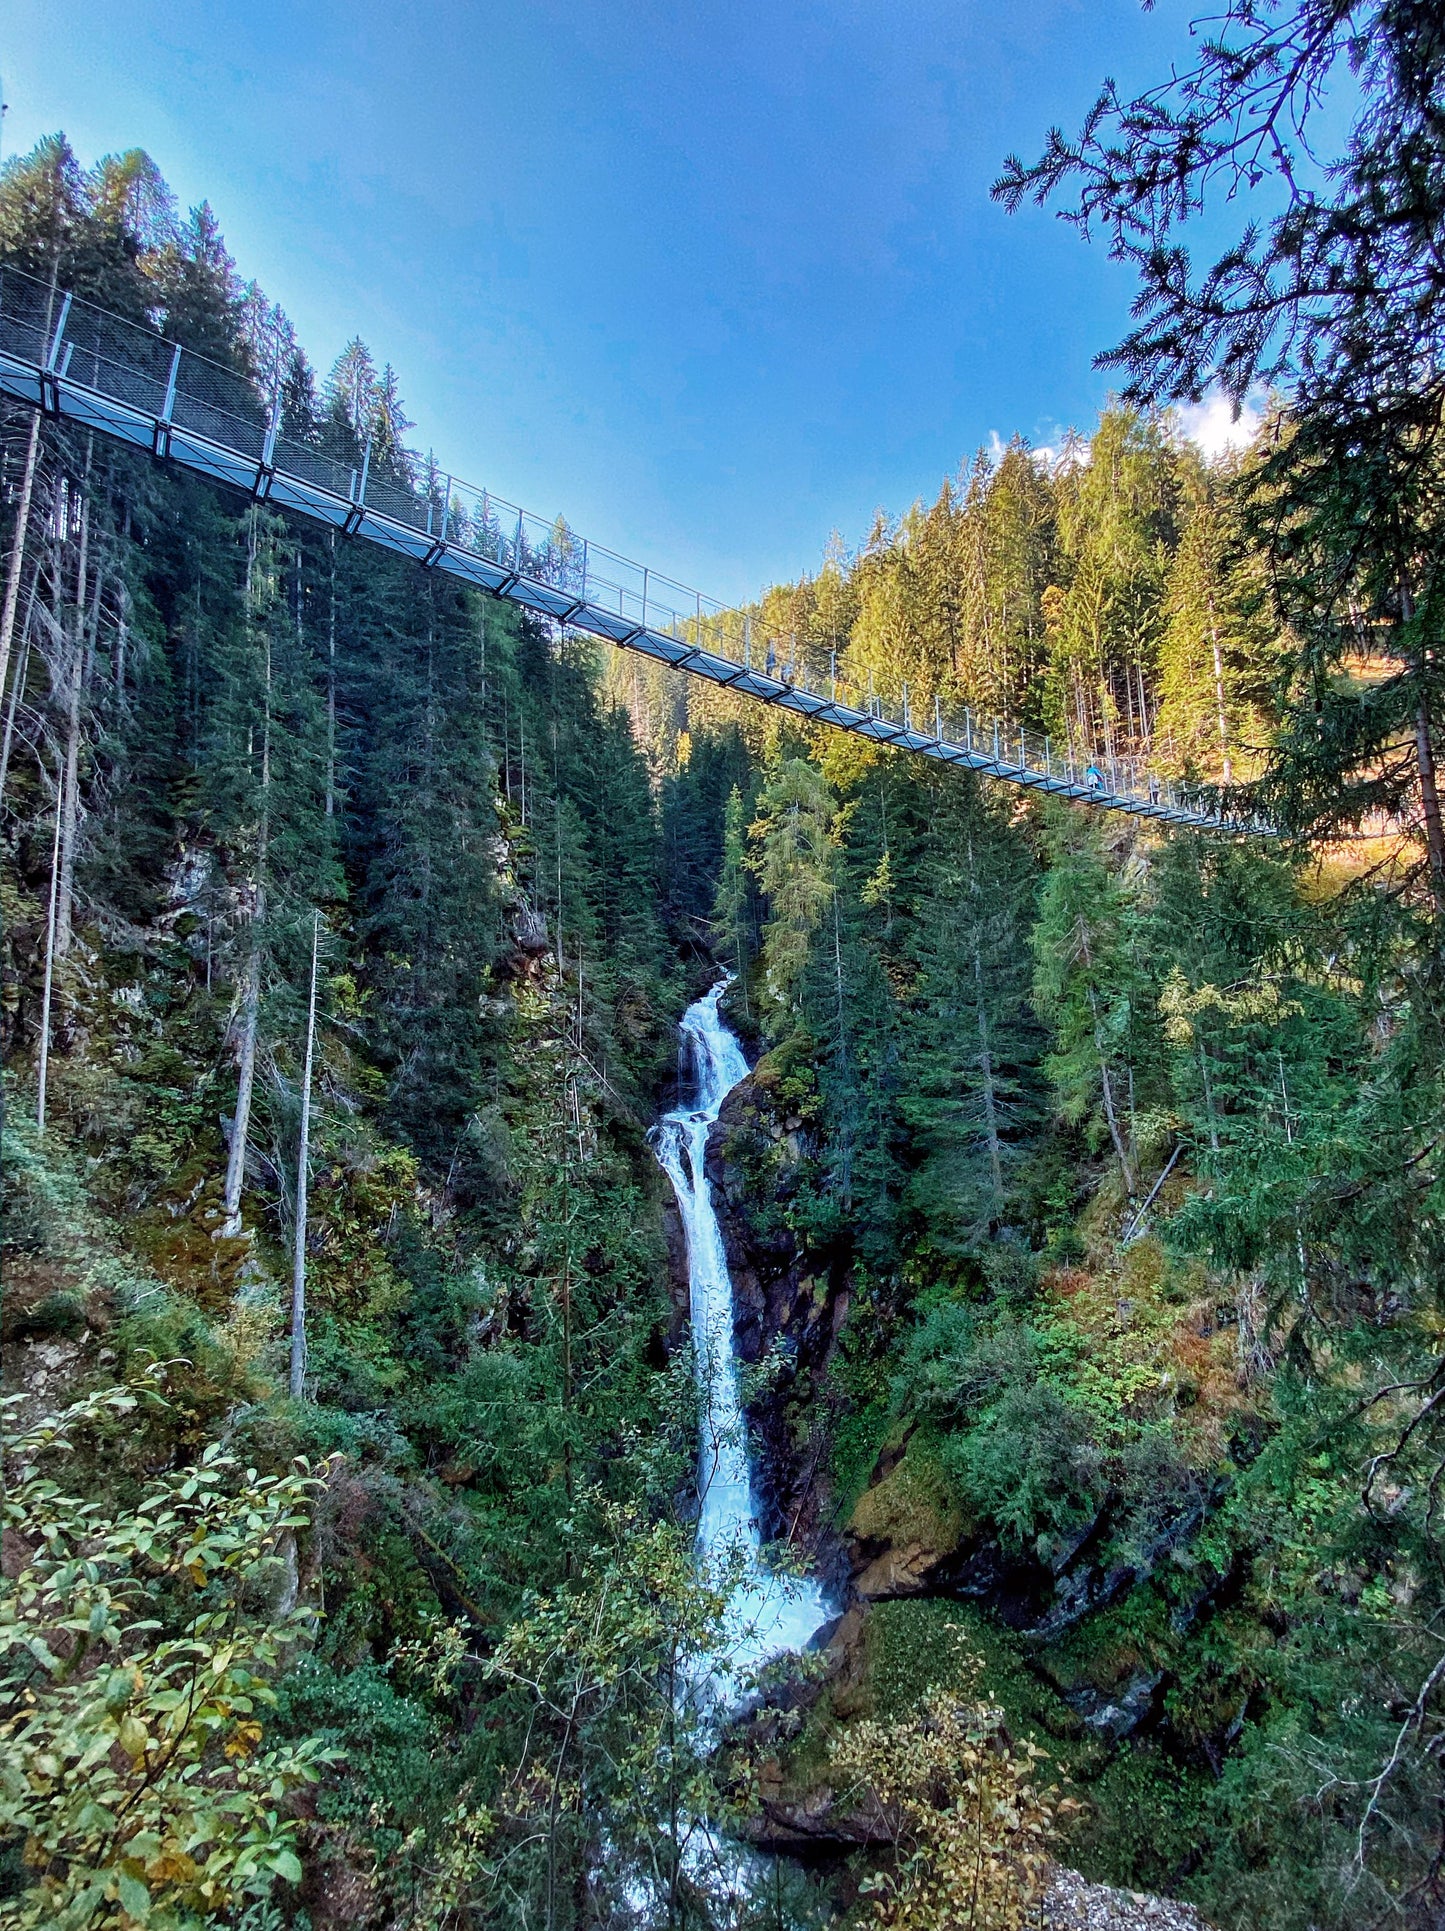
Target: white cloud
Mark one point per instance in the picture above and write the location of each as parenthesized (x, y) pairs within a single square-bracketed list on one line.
[(1214, 429)]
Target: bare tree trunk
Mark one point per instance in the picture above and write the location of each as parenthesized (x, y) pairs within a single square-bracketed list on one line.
[(990, 1106), (17, 689), (123, 608), (985, 1050), (1430, 800), (331, 691), (251, 989), (17, 547), (92, 627), (241, 1125), (43, 1071), (1111, 1111), (1425, 762), (71, 784), (557, 844), (846, 1149), (298, 1261), (1148, 725), (1208, 1098)]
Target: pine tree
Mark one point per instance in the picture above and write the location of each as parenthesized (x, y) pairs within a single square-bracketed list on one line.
[(732, 906), (793, 862), (1087, 988), (1220, 647), (196, 284), (973, 1044)]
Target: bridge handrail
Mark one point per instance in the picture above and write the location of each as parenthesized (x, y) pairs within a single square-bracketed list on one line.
[(71, 359)]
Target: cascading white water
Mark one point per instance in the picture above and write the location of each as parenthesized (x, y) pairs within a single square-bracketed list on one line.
[(768, 1614)]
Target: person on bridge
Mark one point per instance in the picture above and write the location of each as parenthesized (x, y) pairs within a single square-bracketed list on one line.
[(1095, 778)]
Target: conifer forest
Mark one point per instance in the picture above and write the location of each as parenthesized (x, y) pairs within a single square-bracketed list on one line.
[(1080, 1208)]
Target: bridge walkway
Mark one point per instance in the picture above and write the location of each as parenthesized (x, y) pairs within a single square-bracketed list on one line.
[(81, 364)]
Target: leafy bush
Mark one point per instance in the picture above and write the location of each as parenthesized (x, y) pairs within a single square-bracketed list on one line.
[(135, 1649), (971, 1826)]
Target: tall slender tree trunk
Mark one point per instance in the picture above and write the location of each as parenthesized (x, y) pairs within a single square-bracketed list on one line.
[(985, 1048), (251, 984), (1208, 1098), (1425, 762), (17, 689), (1430, 802), (246, 1080), (847, 1135), (557, 831), (1430, 799), (92, 625), (43, 1070), (1111, 1110), (990, 1101), (303, 1160), (122, 628), (17, 547), (331, 689), (71, 783)]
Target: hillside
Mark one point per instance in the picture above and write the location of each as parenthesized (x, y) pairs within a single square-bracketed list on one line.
[(1081, 1208)]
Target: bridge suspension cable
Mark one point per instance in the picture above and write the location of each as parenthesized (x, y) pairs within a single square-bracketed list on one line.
[(80, 363)]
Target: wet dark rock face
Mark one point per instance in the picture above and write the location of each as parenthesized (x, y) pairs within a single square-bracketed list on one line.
[(1042, 1600), (675, 1239)]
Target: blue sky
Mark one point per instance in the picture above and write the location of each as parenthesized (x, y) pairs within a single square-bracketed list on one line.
[(712, 279)]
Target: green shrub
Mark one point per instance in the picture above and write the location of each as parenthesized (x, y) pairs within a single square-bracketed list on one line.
[(136, 1649), (1030, 1465)]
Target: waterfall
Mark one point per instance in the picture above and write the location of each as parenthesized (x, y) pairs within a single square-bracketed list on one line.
[(768, 1613)]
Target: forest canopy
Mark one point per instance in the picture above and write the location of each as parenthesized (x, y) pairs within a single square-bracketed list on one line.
[(1082, 1201)]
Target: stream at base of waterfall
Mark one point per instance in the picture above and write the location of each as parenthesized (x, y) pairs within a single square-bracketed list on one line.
[(768, 1613)]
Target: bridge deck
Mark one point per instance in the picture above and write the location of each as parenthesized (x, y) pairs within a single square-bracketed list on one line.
[(77, 362)]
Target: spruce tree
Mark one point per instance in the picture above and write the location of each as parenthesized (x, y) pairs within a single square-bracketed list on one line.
[(1087, 987)]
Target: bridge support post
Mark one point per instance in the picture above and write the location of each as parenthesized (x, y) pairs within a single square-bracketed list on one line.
[(50, 368), (161, 440)]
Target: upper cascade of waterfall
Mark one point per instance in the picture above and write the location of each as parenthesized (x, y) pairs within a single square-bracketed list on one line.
[(768, 1613)]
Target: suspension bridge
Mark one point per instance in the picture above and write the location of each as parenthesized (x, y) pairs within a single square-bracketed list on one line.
[(81, 364)]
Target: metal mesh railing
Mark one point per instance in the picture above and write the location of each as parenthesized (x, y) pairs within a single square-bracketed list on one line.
[(76, 360)]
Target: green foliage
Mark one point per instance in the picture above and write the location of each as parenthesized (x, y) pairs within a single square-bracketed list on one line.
[(973, 1826), (612, 1664), (136, 1652), (1121, 1147), (1088, 986), (793, 862)]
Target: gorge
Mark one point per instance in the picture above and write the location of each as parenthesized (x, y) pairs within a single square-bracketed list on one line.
[(1063, 1254)]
